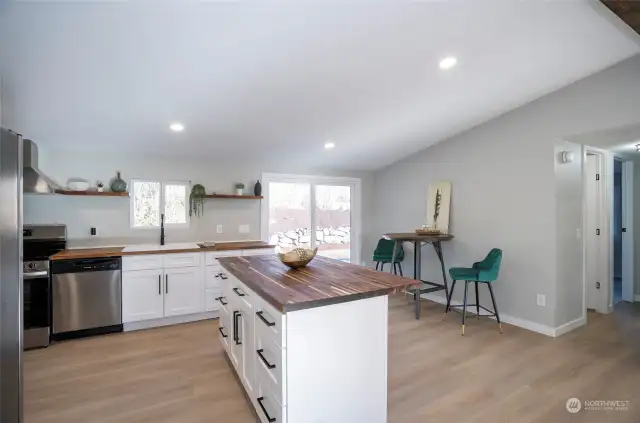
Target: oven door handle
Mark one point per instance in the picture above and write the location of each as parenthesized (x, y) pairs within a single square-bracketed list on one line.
[(35, 275)]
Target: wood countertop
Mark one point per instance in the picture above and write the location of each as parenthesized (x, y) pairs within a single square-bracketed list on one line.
[(322, 282), (118, 251), (412, 236)]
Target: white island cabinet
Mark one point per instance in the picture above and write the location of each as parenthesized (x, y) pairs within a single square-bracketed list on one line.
[(308, 346)]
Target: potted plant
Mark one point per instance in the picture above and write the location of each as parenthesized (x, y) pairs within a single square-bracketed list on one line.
[(196, 200), (100, 186), (239, 189)]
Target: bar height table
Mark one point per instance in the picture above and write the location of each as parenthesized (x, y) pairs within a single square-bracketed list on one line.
[(418, 242)]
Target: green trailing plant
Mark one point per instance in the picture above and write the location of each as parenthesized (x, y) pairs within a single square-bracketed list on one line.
[(196, 200), (239, 186)]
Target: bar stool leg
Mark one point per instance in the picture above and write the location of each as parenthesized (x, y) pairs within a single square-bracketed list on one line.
[(377, 265), (464, 307), (495, 307), (400, 268), (477, 302)]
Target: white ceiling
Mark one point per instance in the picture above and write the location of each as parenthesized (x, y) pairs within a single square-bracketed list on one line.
[(250, 79)]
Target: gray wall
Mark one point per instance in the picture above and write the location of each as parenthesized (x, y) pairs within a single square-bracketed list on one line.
[(111, 214), (510, 192)]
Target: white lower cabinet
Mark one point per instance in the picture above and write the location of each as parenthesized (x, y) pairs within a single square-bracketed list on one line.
[(183, 291), (142, 295)]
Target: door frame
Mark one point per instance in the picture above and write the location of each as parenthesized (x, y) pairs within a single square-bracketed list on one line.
[(628, 288), (313, 180), (604, 207)]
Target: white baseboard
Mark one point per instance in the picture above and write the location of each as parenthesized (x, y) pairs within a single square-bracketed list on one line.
[(569, 326), (168, 321), (515, 321)]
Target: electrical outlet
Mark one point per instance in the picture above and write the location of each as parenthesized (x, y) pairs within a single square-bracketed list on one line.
[(541, 300), (218, 229), (243, 229), (94, 231)]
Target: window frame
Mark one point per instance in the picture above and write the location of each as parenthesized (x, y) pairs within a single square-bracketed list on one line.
[(163, 184), (313, 181)]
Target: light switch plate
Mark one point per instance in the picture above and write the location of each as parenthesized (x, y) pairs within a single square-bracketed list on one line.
[(243, 229), (218, 229), (541, 300)]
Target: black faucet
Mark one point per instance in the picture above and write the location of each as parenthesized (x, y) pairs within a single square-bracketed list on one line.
[(162, 229)]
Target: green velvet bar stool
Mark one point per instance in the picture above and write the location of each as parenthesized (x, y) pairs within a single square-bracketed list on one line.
[(485, 271), (382, 254)]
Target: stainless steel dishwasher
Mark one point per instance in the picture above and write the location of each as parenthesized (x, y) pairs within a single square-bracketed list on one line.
[(86, 297)]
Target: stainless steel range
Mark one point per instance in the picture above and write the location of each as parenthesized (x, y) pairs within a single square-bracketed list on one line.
[(39, 243)]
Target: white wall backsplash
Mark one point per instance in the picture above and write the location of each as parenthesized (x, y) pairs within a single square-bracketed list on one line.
[(110, 215)]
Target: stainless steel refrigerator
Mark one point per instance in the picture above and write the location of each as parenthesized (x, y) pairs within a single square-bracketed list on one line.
[(11, 305)]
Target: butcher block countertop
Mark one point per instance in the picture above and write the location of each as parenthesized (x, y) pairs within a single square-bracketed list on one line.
[(322, 282), (117, 251)]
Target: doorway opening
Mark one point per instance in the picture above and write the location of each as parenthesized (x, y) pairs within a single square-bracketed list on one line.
[(617, 231)]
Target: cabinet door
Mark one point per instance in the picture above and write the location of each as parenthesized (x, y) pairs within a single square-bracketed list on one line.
[(184, 291), (224, 330), (142, 295), (249, 355), (235, 349)]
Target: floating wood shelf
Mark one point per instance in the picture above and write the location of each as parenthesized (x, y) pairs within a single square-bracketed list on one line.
[(235, 197), (93, 193)]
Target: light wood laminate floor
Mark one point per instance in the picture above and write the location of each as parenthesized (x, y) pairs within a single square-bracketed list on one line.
[(178, 374)]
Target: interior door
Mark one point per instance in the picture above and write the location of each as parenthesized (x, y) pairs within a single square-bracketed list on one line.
[(332, 220), (592, 242), (142, 296), (184, 291)]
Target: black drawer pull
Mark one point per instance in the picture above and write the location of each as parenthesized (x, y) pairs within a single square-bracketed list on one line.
[(236, 331), (238, 293), (221, 300), (266, 322), (264, 410), (264, 360), (221, 332)]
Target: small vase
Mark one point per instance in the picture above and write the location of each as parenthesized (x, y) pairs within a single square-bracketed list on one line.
[(118, 185), (257, 189), (100, 189), (239, 191)]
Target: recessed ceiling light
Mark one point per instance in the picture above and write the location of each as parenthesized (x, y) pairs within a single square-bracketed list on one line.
[(176, 127), (448, 62), (329, 145)]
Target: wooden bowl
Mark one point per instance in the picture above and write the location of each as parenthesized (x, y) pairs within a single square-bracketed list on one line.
[(298, 257)]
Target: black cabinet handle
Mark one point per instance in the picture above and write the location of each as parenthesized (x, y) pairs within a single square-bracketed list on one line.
[(238, 293), (166, 284), (264, 360), (221, 302), (217, 275), (264, 410), (266, 322), (159, 284), (221, 332), (236, 332), (223, 276)]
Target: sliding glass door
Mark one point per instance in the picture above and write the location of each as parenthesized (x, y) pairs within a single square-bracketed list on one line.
[(310, 212)]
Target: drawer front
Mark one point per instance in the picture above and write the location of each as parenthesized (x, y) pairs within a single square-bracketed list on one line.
[(240, 293), (272, 321), (271, 361), (224, 331), (258, 251), (213, 277), (266, 403), (181, 260), (211, 257), (212, 303), (146, 262)]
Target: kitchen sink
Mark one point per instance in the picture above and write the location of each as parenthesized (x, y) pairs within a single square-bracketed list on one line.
[(156, 247)]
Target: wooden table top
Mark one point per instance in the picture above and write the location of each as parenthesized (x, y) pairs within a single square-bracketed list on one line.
[(117, 251), (322, 282), (412, 236)]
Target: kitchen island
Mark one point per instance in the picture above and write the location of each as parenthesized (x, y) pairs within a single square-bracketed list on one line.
[(308, 345)]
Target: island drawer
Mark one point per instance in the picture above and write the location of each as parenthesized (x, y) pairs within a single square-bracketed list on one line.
[(271, 360), (272, 321), (266, 402), (211, 257), (143, 262), (240, 292)]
